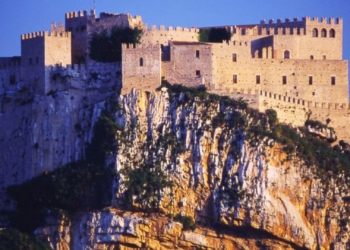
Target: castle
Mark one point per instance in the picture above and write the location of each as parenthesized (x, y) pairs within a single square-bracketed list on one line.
[(294, 66)]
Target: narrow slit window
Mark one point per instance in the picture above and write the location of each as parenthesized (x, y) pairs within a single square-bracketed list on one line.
[(311, 80), (333, 80), (197, 54), (234, 78), (198, 73), (284, 79), (257, 79), (234, 57), (141, 62)]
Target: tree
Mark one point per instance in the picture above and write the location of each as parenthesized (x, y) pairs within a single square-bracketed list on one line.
[(106, 46), (214, 35)]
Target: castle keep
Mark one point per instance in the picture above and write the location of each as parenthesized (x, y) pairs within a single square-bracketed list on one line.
[(294, 66)]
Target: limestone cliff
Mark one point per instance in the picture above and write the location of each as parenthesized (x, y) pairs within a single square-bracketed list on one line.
[(244, 192)]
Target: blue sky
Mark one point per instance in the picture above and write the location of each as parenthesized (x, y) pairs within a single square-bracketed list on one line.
[(23, 16)]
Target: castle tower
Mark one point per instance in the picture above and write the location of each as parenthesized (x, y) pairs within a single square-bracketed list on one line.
[(40, 51)]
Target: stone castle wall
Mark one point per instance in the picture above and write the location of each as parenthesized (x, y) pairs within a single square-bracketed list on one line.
[(270, 72), (141, 67), (83, 24), (40, 50), (10, 73), (296, 111), (163, 35)]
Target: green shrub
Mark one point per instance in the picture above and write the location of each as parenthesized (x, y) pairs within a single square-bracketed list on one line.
[(187, 222), (11, 238)]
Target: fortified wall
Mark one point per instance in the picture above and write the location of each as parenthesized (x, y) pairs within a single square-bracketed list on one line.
[(298, 59)]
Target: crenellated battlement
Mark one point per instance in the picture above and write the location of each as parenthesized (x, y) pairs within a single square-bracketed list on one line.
[(170, 28), (38, 34), (80, 14), (280, 21), (238, 43), (323, 20), (305, 103), (140, 46)]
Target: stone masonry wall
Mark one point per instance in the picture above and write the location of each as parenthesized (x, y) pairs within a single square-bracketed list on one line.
[(163, 35), (141, 67), (271, 72)]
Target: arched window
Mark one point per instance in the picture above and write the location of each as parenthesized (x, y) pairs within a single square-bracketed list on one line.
[(323, 33), (286, 54), (332, 33), (314, 32), (141, 62)]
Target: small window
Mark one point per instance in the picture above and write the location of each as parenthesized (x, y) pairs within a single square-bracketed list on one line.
[(257, 79), (234, 79), (332, 33), (141, 62), (310, 80), (324, 57), (284, 79), (312, 57), (315, 33), (197, 54), (323, 33), (234, 57), (198, 73), (333, 80), (12, 79), (286, 54)]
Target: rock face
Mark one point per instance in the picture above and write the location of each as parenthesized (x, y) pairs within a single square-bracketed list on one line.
[(243, 194)]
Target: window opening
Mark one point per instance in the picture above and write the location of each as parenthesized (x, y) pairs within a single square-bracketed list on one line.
[(332, 33), (310, 80), (323, 33), (234, 78), (315, 32), (197, 54), (284, 79), (286, 54), (198, 73), (257, 79), (234, 57), (141, 62), (333, 80)]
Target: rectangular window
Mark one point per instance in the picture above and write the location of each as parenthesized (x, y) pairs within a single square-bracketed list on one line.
[(333, 80), (234, 57), (257, 79), (198, 73), (234, 78), (284, 79), (197, 54), (310, 80), (324, 57)]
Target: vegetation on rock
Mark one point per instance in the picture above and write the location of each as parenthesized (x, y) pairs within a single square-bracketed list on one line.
[(11, 238), (187, 222)]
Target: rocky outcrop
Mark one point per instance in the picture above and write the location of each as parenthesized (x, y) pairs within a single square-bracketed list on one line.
[(243, 193)]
